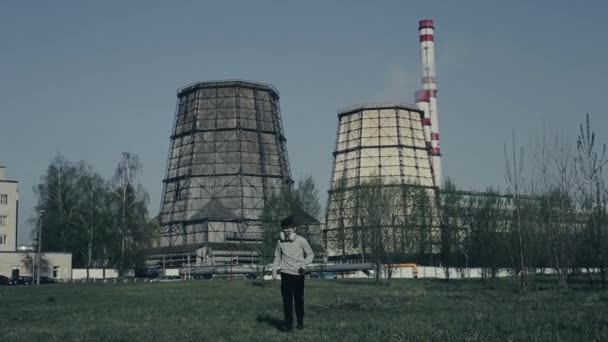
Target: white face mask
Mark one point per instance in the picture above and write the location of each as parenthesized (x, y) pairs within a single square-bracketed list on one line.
[(288, 237)]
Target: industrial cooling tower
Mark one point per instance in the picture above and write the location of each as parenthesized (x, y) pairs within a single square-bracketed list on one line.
[(227, 155), (384, 140)]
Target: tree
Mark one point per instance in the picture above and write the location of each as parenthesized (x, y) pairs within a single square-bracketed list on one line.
[(464, 239), (29, 263), (593, 199), (344, 200), (276, 207), (407, 236), (129, 204), (555, 175), (450, 215), (58, 198), (515, 182), (303, 202), (307, 197), (93, 215), (377, 208), (488, 232), (421, 222)]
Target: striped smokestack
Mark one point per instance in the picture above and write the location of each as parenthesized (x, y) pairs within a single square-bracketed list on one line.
[(426, 98)]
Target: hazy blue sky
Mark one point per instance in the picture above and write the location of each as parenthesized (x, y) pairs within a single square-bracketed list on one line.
[(91, 79)]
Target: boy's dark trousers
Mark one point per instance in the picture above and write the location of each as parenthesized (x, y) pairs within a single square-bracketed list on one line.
[(292, 290)]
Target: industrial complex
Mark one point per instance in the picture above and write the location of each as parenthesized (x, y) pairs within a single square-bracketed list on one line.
[(228, 154)]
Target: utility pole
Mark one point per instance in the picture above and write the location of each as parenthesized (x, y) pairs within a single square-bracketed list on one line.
[(39, 246)]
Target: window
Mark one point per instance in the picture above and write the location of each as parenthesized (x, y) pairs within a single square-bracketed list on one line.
[(3, 199), (3, 221), (2, 240)]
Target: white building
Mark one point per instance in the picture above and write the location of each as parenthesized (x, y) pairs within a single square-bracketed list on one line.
[(9, 210), (13, 260)]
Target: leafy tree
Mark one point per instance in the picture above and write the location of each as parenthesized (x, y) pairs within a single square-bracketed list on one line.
[(307, 198), (276, 207), (93, 216), (58, 198)]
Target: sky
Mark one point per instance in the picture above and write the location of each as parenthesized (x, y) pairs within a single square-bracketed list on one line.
[(92, 79)]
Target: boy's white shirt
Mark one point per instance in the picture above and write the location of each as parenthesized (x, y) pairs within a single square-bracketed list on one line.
[(291, 256)]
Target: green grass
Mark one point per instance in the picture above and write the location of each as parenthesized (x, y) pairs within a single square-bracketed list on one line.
[(343, 310)]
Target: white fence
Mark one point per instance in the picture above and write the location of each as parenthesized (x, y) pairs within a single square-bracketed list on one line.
[(437, 273), (94, 273)]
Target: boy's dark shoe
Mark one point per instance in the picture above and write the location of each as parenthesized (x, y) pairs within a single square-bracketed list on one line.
[(300, 326), (288, 328)]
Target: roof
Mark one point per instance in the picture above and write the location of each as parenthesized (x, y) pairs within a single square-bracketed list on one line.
[(214, 210), (190, 248), (227, 84), (179, 249), (302, 217), (220, 246), (378, 105)]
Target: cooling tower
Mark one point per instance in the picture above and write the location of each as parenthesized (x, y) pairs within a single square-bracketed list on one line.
[(227, 155), (385, 140)]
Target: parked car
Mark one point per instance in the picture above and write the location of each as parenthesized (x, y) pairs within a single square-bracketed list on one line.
[(4, 280), (166, 278), (251, 276), (205, 276), (47, 280), (21, 280)]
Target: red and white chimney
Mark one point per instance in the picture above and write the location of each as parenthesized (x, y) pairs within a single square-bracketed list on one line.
[(426, 98)]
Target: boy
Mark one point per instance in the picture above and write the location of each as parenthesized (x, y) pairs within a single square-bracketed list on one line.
[(291, 256)]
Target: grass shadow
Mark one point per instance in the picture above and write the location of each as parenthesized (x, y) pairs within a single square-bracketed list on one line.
[(366, 282), (257, 283), (272, 321)]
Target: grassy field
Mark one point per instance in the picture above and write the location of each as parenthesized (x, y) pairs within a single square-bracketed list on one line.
[(343, 310)]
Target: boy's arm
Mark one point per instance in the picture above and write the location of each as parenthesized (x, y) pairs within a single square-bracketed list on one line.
[(308, 252), (277, 259)]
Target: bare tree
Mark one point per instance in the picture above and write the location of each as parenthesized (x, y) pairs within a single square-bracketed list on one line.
[(554, 183), (130, 205), (515, 183), (93, 215), (377, 209), (343, 200), (29, 262), (422, 223), (592, 199), (488, 222), (450, 215)]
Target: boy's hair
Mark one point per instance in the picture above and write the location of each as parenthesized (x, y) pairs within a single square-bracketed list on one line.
[(287, 222)]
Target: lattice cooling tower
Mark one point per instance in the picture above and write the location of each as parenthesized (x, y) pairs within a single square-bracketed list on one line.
[(227, 155), (385, 140)]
